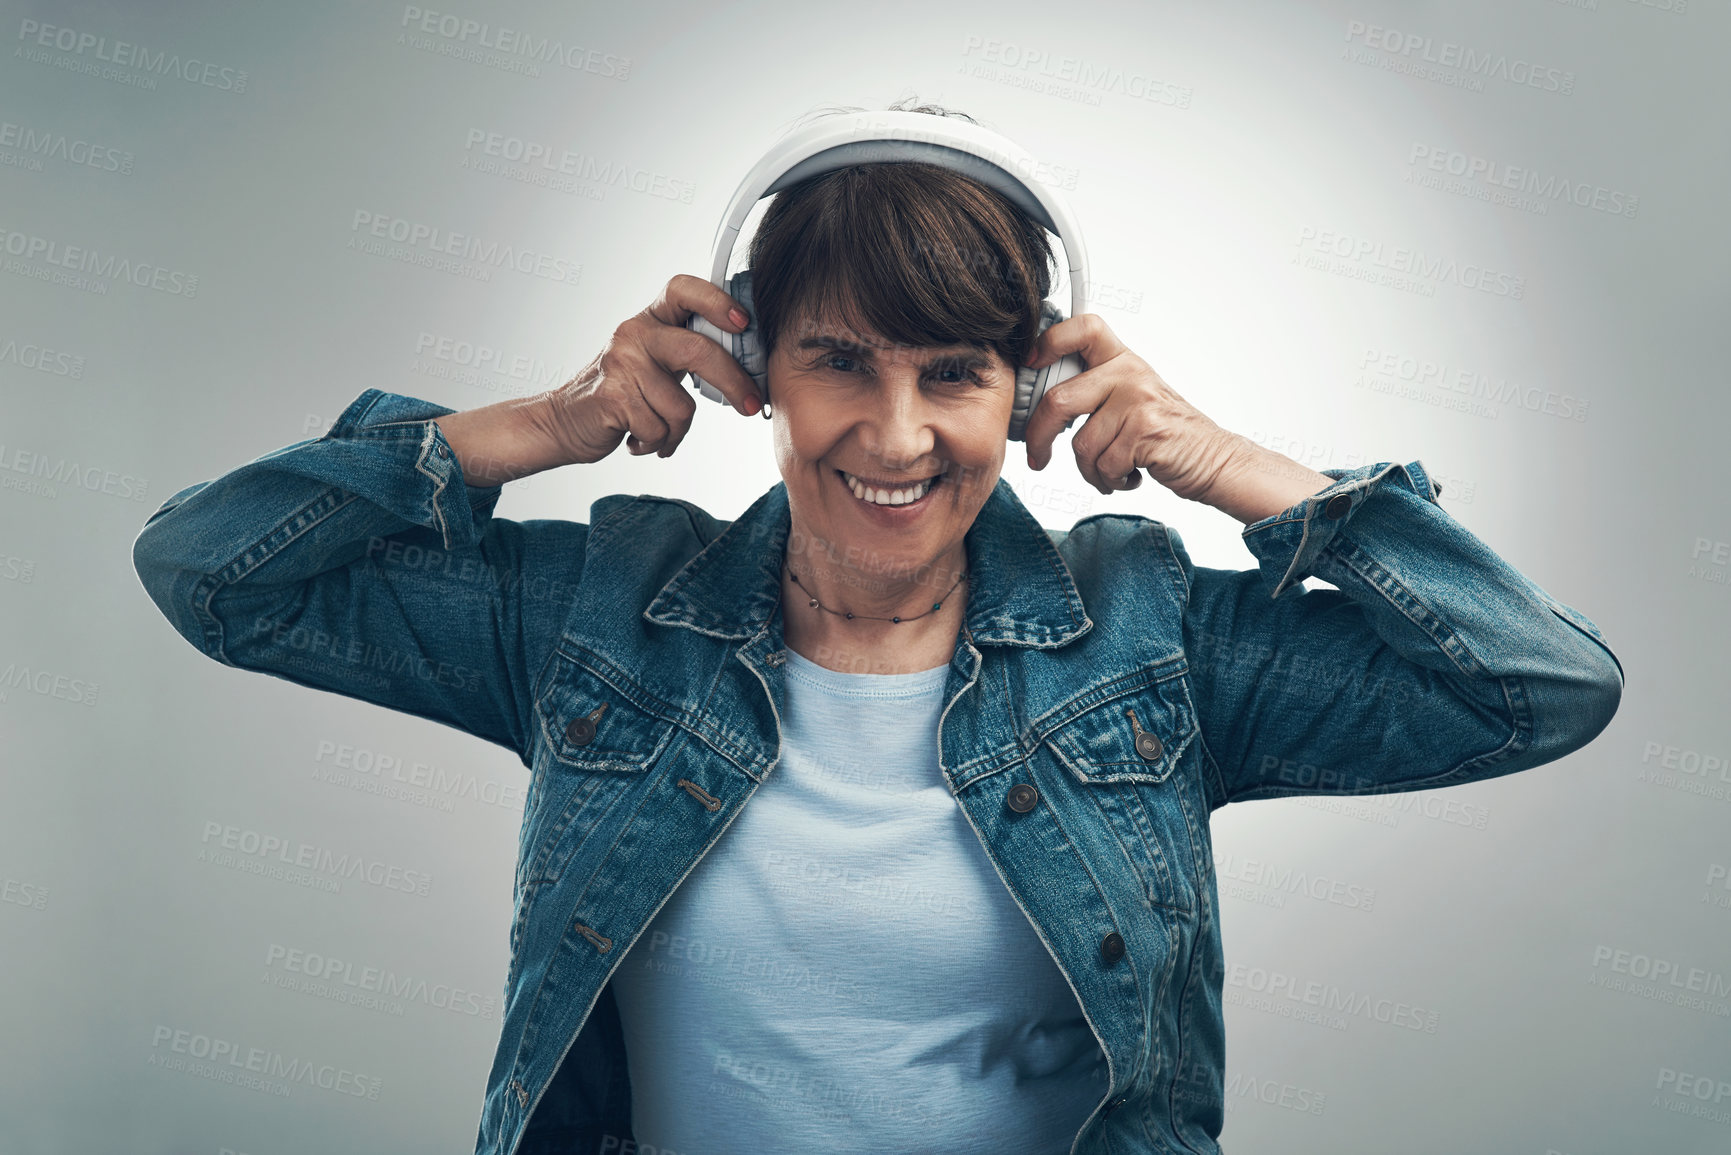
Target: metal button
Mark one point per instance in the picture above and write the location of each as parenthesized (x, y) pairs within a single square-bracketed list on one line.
[(1022, 797), (580, 731), (1112, 947), (1148, 745), (1337, 507)]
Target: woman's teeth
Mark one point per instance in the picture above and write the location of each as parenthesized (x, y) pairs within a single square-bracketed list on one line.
[(880, 496)]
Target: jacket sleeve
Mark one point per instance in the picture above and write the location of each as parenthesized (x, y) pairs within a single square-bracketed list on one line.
[(361, 563), (1433, 663)]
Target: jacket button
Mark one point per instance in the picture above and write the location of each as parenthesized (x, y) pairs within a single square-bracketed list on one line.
[(1112, 947), (1022, 797), (1148, 745), (1337, 507), (580, 731)]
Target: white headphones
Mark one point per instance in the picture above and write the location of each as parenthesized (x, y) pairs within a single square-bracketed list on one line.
[(875, 137)]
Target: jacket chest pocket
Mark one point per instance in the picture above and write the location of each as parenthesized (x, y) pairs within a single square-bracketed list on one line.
[(593, 724), (1134, 756), (597, 735)]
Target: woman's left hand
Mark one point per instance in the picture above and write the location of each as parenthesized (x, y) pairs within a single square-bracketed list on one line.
[(1135, 420)]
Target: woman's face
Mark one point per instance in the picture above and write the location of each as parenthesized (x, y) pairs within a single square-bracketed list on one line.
[(847, 404)]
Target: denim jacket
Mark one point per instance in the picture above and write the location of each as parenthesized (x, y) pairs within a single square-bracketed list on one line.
[(634, 664)]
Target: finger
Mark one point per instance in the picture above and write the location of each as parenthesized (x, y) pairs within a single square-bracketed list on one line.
[(679, 350), (647, 430), (1058, 407), (1092, 440), (1086, 334), (1116, 463), (672, 402), (686, 294), (638, 379)]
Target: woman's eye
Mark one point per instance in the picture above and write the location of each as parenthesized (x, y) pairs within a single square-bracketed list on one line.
[(959, 376), (830, 362)]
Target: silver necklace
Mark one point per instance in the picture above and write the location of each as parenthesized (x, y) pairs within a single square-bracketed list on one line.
[(815, 604)]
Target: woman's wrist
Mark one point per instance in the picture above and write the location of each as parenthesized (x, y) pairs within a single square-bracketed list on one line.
[(1255, 482), (502, 442)]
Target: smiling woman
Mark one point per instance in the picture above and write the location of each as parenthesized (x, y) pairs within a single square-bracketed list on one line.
[(972, 903)]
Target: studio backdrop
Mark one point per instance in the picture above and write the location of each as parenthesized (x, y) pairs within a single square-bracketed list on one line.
[(1486, 236)]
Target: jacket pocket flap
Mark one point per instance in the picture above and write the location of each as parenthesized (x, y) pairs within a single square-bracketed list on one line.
[(1137, 736), (591, 723)]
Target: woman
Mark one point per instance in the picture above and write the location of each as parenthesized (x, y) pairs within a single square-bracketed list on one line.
[(972, 903)]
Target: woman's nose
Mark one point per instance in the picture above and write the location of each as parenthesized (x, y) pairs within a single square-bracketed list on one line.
[(901, 425)]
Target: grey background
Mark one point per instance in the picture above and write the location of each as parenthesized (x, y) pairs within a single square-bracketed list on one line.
[(1499, 906)]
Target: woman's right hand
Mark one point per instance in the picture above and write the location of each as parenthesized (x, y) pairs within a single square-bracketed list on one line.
[(634, 389)]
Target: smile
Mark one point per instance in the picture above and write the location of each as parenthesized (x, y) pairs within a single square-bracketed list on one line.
[(881, 496)]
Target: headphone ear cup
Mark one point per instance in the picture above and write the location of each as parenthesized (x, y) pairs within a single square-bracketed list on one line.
[(742, 347), (1031, 384), (747, 349)]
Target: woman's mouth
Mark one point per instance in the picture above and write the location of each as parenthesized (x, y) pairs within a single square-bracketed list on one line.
[(893, 501)]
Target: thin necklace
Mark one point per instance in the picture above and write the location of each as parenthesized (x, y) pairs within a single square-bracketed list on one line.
[(937, 605)]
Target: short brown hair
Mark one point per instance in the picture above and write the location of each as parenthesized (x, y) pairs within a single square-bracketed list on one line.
[(916, 253)]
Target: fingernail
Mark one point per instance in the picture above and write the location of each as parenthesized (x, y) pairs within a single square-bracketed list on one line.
[(752, 405), (737, 316)]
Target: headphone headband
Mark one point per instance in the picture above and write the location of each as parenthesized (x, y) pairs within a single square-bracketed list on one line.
[(874, 137)]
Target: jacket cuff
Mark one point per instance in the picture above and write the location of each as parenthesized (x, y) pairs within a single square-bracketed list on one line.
[(1286, 544), (403, 426)]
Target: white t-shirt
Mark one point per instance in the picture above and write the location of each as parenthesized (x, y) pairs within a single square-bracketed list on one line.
[(845, 970)]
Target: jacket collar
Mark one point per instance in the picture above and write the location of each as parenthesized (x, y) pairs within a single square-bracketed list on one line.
[(1019, 590)]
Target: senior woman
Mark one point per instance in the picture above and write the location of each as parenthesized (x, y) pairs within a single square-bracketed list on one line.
[(971, 905)]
